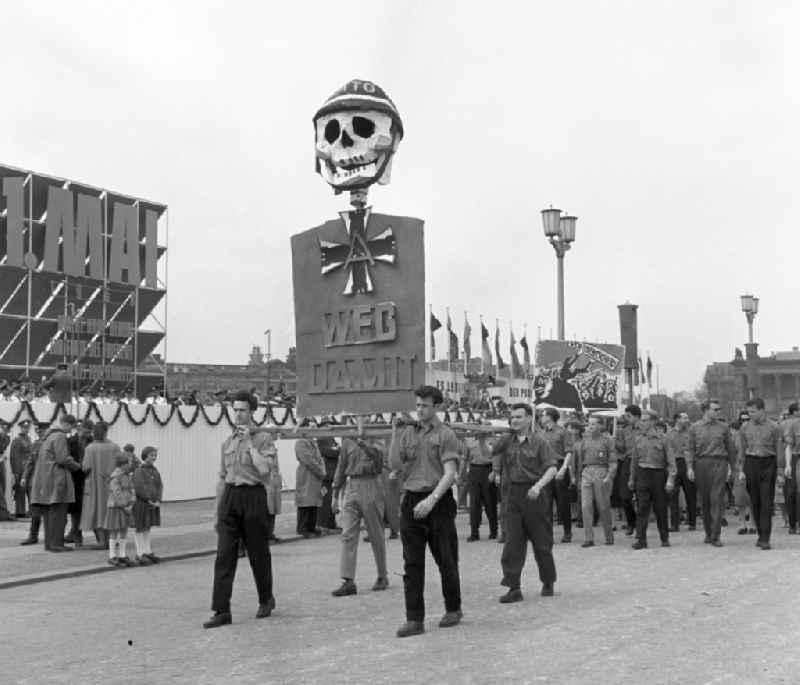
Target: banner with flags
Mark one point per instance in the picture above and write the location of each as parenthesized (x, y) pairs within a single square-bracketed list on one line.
[(578, 375), (516, 367), (435, 326), (500, 363), (467, 344), (486, 353)]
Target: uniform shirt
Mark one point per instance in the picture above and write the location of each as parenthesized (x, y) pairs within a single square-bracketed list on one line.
[(653, 451), (477, 451), (20, 453), (625, 441), (679, 440), (792, 434), (247, 460), (599, 451), (357, 459), (522, 461), (420, 452), (761, 440), (710, 438), (558, 439)]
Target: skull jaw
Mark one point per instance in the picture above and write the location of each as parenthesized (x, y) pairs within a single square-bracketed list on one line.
[(361, 176)]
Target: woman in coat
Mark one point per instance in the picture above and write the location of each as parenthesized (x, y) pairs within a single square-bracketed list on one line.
[(99, 462), (308, 486)]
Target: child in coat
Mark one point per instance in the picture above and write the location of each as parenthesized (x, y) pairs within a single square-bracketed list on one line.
[(146, 509), (119, 516)]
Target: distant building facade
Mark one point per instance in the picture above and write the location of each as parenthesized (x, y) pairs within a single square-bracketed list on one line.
[(778, 381)]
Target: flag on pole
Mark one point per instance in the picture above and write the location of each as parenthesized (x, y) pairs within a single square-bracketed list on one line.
[(526, 354), (435, 326), (500, 363), (516, 367), (649, 370), (486, 353), (467, 344), (452, 339)]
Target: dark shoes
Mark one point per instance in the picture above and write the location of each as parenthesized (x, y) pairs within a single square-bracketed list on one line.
[(217, 620), (450, 619), (567, 537), (741, 531), (587, 543), (665, 543), (547, 590), (265, 610), (380, 584), (153, 558), (707, 540), (29, 541), (124, 561), (59, 548), (114, 562), (410, 628), (348, 587), (639, 545), (393, 535), (473, 538), (143, 561), (513, 595), (716, 543), (763, 545), (493, 536)]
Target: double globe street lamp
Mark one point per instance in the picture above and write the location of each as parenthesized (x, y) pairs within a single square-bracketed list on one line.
[(750, 309), (560, 231)]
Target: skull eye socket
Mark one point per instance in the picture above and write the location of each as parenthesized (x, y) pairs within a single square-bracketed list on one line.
[(332, 130), (363, 127)]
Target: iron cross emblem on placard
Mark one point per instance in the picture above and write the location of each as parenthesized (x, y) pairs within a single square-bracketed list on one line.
[(358, 253)]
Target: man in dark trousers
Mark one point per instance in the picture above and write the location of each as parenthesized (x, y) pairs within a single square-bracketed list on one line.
[(652, 478), (426, 454), (526, 460), (761, 458), (711, 457), (482, 490), (52, 488), (792, 456), (678, 438), (77, 446), (19, 453), (27, 481), (561, 444), (5, 515), (248, 457), (330, 453), (625, 440)]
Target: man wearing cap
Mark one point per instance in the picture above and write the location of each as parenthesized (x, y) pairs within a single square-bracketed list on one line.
[(526, 461), (19, 454), (761, 458), (652, 478), (5, 515), (52, 488)]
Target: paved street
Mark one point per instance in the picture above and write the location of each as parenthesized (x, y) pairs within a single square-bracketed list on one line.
[(688, 614)]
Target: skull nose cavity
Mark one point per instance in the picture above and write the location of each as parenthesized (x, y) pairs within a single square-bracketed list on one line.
[(347, 141)]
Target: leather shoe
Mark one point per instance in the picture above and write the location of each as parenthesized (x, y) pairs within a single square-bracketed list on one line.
[(59, 548), (587, 543), (451, 618), (410, 628), (765, 546), (629, 531), (380, 584), (29, 541), (716, 543), (348, 587), (639, 545), (665, 543), (217, 620), (708, 540), (143, 561), (547, 590), (152, 557), (265, 610), (567, 538), (493, 536), (473, 538), (513, 595), (393, 535)]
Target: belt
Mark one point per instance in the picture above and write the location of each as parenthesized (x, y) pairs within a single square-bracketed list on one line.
[(760, 456), (487, 465), (362, 476), (524, 482), (243, 485)]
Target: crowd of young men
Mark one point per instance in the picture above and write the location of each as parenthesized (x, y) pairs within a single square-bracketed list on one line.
[(641, 469)]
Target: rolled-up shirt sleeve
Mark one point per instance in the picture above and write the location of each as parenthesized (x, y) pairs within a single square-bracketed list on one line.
[(451, 451)]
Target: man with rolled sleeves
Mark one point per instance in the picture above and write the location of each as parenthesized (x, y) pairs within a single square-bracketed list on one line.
[(792, 441), (358, 477), (595, 468), (678, 438), (427, 456), (624, 441), (712, 456), (652, 478), (761, 458), (247, 460), (561, 444), (482, 491), (526, 460), (19, 453)]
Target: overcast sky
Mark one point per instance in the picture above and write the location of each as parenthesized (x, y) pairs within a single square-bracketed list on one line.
[(669, 128)]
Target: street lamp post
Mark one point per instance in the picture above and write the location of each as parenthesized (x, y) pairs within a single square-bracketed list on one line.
[(750, 309), (560, 231)]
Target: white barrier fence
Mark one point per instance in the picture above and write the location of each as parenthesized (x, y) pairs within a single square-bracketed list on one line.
[(188, 457)]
